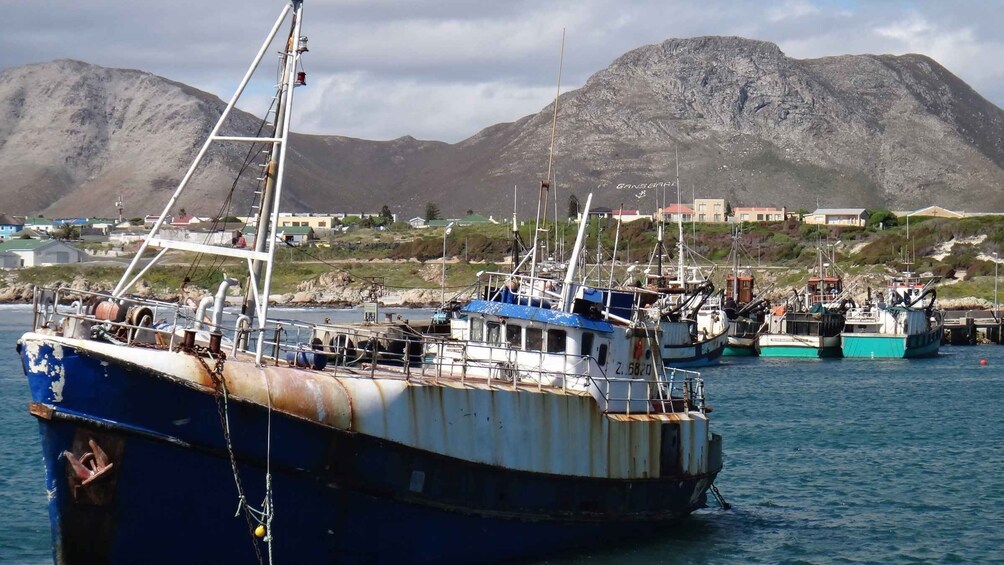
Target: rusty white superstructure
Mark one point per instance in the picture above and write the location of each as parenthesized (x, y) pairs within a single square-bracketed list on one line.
[(344, 443)]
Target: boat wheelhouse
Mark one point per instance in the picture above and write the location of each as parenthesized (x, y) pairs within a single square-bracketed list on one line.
[(745, 313)]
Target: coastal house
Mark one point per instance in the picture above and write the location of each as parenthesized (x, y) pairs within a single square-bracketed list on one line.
[(10, 225), (40, 252), (123, 238), (710, 210), (29, 234), (361, 215), (476, 219), (626, 216), (40, 224), (102, 225), (931, 211), (186, 221), (758, 214), (838, 217), (310, 220), (417, 222), (296, 235), (598, 212), (151, 220), (674, 213), (468, 220)]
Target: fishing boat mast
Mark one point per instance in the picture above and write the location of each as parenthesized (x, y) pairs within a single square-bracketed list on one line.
[(545, 184), (679, 223), (260, 259), (515, 233), (735, 262)]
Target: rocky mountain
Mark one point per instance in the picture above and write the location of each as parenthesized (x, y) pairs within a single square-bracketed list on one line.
[(748, 123)]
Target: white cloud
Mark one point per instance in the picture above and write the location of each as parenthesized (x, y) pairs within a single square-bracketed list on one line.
[(363, 105), (792, 9)]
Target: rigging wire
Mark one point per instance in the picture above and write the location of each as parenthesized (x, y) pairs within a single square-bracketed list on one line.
[(226, 207)]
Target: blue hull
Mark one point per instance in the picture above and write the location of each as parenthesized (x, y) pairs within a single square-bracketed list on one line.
[(702, 354), (696, 361), (339, 496)]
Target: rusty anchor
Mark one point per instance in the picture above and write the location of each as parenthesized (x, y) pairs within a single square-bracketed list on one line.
[(91, 466)]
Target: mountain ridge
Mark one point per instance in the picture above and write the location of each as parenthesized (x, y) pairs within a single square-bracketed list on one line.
[(749, 123)]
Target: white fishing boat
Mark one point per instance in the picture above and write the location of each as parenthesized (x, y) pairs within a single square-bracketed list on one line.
[(897, 325), (694, 326)]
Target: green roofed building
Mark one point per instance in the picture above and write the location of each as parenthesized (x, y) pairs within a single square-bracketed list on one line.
[(16, 253)]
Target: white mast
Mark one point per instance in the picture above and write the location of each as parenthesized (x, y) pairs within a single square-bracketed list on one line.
[(679, 222), (260, 286), (573, 261)]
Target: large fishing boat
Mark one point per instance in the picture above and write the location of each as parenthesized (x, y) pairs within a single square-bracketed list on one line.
[(809, 323), (550, 426), (745, 308), (905, 326), (694, 326)]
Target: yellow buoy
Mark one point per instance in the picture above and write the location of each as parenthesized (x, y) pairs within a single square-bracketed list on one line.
[(260, 531)]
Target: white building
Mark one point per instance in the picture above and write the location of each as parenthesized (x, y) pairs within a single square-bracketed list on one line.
[(40, 252), (838, 217)]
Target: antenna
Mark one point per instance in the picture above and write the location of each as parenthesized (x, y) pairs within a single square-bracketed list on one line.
[(555, 186), (545, 184), (554, 119)]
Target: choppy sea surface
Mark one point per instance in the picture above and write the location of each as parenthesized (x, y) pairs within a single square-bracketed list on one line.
[(826, 461)]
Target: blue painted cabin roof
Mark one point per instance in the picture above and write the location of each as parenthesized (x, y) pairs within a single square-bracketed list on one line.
[(536, 314)]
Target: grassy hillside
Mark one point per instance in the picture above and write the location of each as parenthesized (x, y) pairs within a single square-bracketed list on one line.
[(406, 259)]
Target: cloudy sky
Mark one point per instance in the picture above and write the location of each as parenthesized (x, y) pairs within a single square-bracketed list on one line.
[(381, 69)]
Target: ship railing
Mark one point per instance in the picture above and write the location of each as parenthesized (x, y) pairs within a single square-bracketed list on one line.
[(519, 289), (349, 350), (676, 391), (670, 390), (86, 314), (368, 351), (363, 351)]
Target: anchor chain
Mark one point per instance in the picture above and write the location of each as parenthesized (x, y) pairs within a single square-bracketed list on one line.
[(718, 496), (222, 409)]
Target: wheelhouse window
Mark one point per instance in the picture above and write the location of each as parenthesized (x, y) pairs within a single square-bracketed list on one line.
[(494, 332), (601, 357), (556, 341), (477, 329), (513, 335), (586, 346), (534, 339)]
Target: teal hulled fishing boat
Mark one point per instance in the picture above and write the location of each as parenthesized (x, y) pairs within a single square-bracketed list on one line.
[(906, 327)]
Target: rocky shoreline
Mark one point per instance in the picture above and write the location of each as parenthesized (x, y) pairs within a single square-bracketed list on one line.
[(333, 290), (339, 290)]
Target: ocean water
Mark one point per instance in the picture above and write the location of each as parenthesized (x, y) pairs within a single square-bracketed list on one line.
[(826, 461)]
